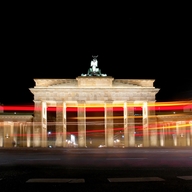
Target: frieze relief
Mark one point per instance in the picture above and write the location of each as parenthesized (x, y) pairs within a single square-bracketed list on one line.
[(106, 81), (98, 95), (55, 82), (133, 82), (93, 88)]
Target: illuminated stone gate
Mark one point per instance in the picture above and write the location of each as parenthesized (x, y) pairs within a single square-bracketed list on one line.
[(95, 110), (95, 91)]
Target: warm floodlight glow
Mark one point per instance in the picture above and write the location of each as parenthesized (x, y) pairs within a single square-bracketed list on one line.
[(125, 124), (100, 107)]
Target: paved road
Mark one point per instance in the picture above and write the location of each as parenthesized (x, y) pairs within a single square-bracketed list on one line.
[(116, 169)]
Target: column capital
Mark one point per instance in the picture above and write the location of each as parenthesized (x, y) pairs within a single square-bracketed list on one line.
[(80, 101), (130, 104), (109, 101), (37, 101), (60, 101)]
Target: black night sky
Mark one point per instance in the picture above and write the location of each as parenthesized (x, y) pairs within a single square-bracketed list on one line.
[(58, 42)]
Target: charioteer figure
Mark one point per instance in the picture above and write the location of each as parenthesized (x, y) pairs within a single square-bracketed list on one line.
[(94, 70)]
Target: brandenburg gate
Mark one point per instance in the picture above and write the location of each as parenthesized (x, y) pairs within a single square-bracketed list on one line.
[(94, 89)]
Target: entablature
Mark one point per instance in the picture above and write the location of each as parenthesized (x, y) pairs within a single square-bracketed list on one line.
[(93, 82)]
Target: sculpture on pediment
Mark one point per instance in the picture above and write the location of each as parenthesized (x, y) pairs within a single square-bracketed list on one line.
[(94, 70)]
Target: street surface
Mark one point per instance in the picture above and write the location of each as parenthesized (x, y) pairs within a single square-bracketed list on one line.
[(92, 169)]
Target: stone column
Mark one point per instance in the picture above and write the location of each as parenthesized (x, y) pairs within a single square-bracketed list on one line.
[(174, 133), (131, 124), (64, 124), (126, 137), (1, 133), (22, 131), (37, 128), (8, 133), (161, 135), (152, 124), (44, 124), (190, 129), (178, 132), (28, 134), (145, 113), (183, 134), (60, 131), (181, 131), (23, 134), (109, 132), (187, 133), (16, 132), (81, 115), (19, 137)]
